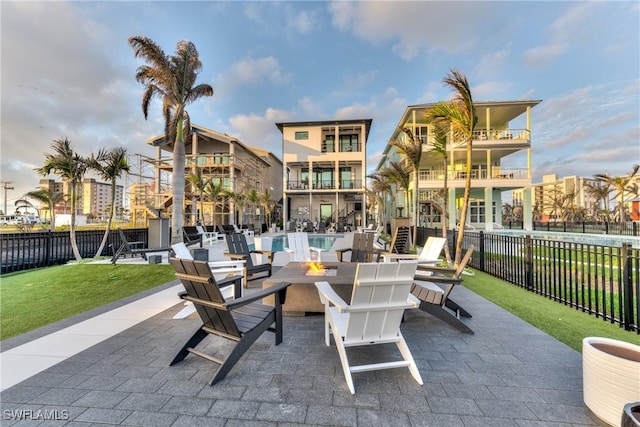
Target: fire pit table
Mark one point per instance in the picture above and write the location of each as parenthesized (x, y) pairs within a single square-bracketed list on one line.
[(302, 295)]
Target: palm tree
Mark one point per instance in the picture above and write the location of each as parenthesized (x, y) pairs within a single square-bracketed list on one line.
[(398, 173), (198, 184), (439, 129), (69, 166), (49, 199), (253, 197), (110, 165), (460, 114), (411, 149), (268, 204), (621, 185), (600, 192), (239, 202), (380, 188), (214, 189), (171, 78)]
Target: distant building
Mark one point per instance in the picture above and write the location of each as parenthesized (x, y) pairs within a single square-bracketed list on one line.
[(94, 198)]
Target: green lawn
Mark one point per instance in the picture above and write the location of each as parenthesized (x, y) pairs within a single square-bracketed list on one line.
[(35, 298), (31, 299), (564, 323)]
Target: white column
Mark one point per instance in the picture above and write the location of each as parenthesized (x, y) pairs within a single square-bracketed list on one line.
[(488, 208), (527, 211)]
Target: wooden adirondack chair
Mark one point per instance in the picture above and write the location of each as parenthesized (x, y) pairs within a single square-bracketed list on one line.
[(379, 298), (132, 248), (241, 320), (431, 290), (361, 250), (299, 249), (239, 250)]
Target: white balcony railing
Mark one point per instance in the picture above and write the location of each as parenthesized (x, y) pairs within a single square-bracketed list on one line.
[(495, 173)]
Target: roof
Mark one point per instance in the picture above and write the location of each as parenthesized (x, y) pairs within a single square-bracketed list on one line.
[(366, 122)]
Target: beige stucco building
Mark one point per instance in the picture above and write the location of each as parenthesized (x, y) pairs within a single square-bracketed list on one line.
[(324, 171)]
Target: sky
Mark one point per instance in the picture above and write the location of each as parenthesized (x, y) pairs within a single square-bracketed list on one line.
[(67, 70)]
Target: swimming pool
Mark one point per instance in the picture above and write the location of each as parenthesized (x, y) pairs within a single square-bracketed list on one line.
[(322, 241)]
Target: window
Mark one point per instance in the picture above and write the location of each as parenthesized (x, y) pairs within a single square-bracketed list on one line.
[(302, 135), (348, 143), (329, 146)]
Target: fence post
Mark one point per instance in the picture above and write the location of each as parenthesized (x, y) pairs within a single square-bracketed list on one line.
[(627, 287), (528, 250), (481, 236)]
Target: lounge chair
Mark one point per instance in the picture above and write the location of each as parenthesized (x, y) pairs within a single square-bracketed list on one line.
[(299, 249), (245, 231), (379, 298), (429, 255), (399, 242), (191, 236), (208, 238), (133, 248), (239, 250), (361, 249), (432, 288), (241, 321)]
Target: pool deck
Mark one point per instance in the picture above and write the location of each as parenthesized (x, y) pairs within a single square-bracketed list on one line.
[(110, 366)]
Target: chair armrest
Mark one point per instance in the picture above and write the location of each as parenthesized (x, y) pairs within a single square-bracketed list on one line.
[(235, 256), (268, 254), (258, 295), (434, 269), (226, 264), (389, 257), (313, 248), (327, 294)]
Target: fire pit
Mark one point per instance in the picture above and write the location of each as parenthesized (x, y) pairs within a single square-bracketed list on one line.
[(319, 270)]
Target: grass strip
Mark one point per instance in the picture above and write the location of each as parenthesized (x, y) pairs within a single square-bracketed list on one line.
[(562, 322), (35, 298)]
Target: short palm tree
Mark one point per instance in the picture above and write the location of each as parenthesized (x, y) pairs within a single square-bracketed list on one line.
[(214, 189), (110, 165), (198, 185), (268, 204), (600, 192), (48, 200), (460, 114), (397, 172), (172, 79), (71, 167), (621, 185), (380, 189)]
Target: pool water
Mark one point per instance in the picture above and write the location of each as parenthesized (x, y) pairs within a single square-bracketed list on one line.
[(322, 241)]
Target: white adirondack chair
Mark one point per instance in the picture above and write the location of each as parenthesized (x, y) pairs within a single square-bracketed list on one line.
[(225, 272), (380, 296), (299, 249), (208, 238), (427, 256)]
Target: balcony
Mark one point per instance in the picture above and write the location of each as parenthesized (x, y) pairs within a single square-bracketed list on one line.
[(476, 174), (501, 134), (303, 186)]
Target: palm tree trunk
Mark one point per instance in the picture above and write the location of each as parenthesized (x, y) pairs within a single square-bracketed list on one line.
[(465, 207), (415, 209), (112, 211), (72, 229), (177, 183), (445, 212)]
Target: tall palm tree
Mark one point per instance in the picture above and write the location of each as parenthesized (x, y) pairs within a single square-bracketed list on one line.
[(411, 148), (621, 186), (439, 129), (268, 204), (239, 202), (460, 113), (71, 167), (172, 79), (110, 165), (49, 199)]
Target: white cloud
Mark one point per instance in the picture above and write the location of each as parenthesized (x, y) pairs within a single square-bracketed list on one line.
[(416, 27), (250, 72)]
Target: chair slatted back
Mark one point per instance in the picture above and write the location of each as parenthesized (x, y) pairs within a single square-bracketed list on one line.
[(362, 247), (378, 300), (400, 241), (432, 248), (198, 281), (237, 245), (299, 244), (456, 275)]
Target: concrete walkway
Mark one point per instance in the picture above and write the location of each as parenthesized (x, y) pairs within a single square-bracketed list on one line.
[(110, 366)]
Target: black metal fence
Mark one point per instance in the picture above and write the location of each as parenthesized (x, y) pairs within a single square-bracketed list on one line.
[(603, 281), (24, 251), (630, 228)]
